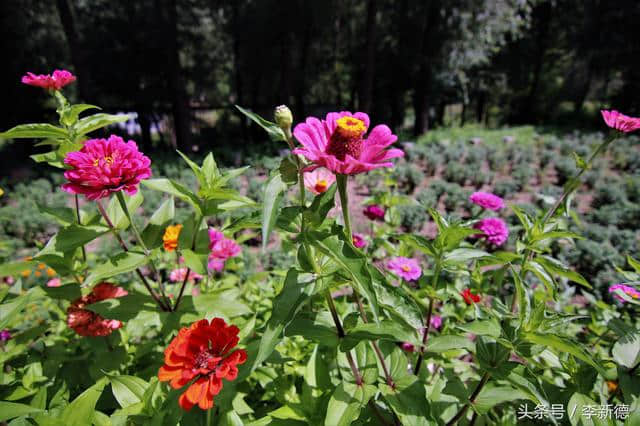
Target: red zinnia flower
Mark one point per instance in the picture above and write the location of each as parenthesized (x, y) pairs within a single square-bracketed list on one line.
[(88, 323), (200, 354), (469, 297)]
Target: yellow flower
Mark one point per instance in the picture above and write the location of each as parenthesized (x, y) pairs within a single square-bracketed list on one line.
[(170, 237), (25, 273), (51, 272), (42, 266)]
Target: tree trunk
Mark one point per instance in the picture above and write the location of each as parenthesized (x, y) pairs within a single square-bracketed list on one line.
[(366, 90), (423, 77), (78, 56), (179, 101)]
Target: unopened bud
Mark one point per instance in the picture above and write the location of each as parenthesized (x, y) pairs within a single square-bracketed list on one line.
[(283, 117)]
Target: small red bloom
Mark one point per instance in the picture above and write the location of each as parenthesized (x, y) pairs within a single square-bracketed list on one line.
[(201, 355), (469, 297), (55, 81), (88, 323)]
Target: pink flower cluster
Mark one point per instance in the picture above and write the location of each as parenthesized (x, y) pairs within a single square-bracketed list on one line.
[(338, 143), (222, 248), (405, 268), (628, 290), (494, 229), (487, 200), (55, 81), (620, 122), (105, 166), (178, 275)]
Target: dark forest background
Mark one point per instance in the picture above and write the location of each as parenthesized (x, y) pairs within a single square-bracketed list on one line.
[(181, 65)]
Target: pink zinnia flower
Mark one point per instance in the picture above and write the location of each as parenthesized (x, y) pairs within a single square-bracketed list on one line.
[(338, 143), (359, 241), (54, 282), (215, 264), (214, 237), (374, 212), (57, 81), (319, 180), (619, 121), (225, 249), (406, 346), (629, 291), (494, 229), (436, 321), (88, 323), (5, 335), (104, 166), (487, 200), (405, 268), (178, 275)]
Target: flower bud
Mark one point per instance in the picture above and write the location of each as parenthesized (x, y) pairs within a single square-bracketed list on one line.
[(284, 120)]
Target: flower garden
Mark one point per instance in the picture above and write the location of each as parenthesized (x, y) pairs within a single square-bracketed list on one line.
[(357, 278)]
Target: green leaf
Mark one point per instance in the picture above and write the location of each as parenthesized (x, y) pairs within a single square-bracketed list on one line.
[(273, 130), (524, 305), (273, 195), (97, 121), (35, 130), (297, 290), (175, 189), (419, 242), (563, 345), (353, 262), (197, 262), (11, 310), (223, 304), (118, 264), (346, 402), (161, 218), (83, 407), (128, 390), (409, 403), (490, 396), (14, 268), (445, 343), (489, 327), (73, 236), (575, 411), (490, 354), (384, 330), (117, 215), (319, 329), (10, 410), (626, 351), (462, 255), (197, 171), (554, 266), (63, 215), (322, 203)]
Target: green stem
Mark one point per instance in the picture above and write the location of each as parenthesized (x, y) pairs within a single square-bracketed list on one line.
[(569, 188), (472, 399), (344, 202), (77, 203), (425, 337), (193, 246), (115, 233)]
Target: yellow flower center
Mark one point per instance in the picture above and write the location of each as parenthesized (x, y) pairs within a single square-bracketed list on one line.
[(405, 268), (350, 127), (108, 159)]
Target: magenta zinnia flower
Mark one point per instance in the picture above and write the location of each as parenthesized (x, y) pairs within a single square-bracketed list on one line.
[(5, 335), (374, 212), (338, 143), (405, 268), (57, 81), (619, 121), (359, 241), (487, 200), (629, 291), (494, 229), (222, 248), (104, 166), (436, 321)]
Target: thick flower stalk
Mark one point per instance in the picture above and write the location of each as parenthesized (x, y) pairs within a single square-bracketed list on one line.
[(338, 143), (202, 355), (88, 323), (106, 166)]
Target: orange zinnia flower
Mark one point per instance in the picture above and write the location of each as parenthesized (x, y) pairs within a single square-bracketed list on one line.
[(201, 355), (170, 237), (88, 323)]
